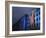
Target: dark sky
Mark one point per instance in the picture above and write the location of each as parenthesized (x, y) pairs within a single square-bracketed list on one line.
[(18, 12)]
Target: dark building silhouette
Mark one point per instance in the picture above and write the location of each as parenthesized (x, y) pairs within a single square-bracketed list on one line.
[(23, 24)]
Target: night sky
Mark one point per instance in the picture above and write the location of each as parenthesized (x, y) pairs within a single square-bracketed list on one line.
[(18, 12)]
